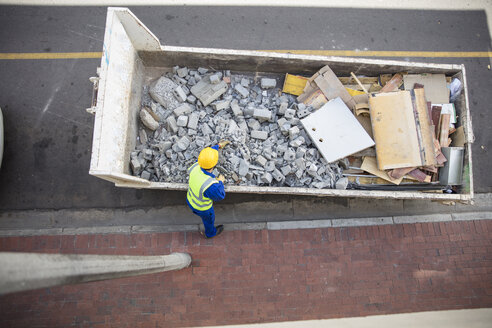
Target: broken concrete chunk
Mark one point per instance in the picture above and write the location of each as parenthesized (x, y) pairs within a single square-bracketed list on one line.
[(261, 160), (191, 99), (143, 136), (342, 183), (214, 79), (182, 110), (290, 155), (183, 143), (220, 105), (145, 175), (262, 114), (286, 169), (282, 108), (206, 130), (257, 134), (312, 170), (293, 132), (241, 90), (182, 72), (162, 92), (182, 120), (300, 163), (180, 94), (208, 92), (270, 166), (267, 178), (236, 110), (171, 124), (243, 168), (277, 175), (193, 121), (289, 113), (136, 166), (202, 70), (148, 120), (268, 83)]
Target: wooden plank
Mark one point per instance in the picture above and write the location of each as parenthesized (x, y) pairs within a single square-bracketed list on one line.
[(398, 173), (370, 165), (424, 126), (294, 84), (364, 80), (419, 175), (444, 130), (436, 118), (459, 137), (393, 84), (394, 130)]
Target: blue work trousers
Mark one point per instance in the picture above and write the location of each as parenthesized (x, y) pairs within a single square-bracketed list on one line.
[(208, 219)]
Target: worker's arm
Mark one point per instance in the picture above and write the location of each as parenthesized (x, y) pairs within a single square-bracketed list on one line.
[(215, 192)]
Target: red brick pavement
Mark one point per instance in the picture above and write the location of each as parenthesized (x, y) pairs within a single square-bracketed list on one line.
[(265, 276)]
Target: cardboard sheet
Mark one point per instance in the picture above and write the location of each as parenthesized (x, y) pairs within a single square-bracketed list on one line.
[(335, 131), (395, 130), (435, 87)]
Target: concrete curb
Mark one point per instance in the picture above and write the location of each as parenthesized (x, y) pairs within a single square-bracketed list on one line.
[(277, 225)]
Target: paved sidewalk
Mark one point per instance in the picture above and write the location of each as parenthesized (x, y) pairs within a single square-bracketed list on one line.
[(267, 275)]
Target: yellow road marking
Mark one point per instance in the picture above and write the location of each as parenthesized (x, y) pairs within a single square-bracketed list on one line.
[(51, 55), (342, 53), (369, 53)]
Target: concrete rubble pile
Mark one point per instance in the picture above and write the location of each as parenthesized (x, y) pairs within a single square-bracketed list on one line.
[(186, 110)]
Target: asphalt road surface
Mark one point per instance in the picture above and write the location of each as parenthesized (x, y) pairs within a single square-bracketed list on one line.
[(49, 134)]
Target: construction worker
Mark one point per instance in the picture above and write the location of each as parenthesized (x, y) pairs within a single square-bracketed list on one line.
[(204, 188)]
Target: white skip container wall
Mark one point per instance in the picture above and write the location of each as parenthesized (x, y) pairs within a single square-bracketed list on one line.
[(130, 49)]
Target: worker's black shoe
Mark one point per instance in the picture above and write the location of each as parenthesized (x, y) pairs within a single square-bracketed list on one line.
[(219, 228)]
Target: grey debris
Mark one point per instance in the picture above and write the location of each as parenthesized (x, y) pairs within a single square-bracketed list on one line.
[(289, 113), (182, 120), (206, 130), (236, 110), (268, 83), (145, 175), (293, 132), (254, 124), (143, 136), (191, 99), (300, 163), (243, 168), (171, 124), (193, 121), (241, 90), (342, 183), (182, 110), (261, 160), (282, 108), (312, 170), (277, 175), (290, 155), (183, 143), (162, 92), (182, 72), (257, 134), (208, 92), (202, 70), (245, 82), (286, 169), (180, 94), (220, 105), (164, 146), (136, 166), (148, 120), (270, 166), (297, 142), (262, 114), (214, 79), (267, 178)]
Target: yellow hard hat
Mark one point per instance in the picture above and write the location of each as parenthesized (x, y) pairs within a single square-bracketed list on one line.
[(208, 158)]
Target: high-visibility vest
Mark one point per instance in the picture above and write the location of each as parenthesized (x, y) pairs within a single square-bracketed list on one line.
[(198, 183)]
